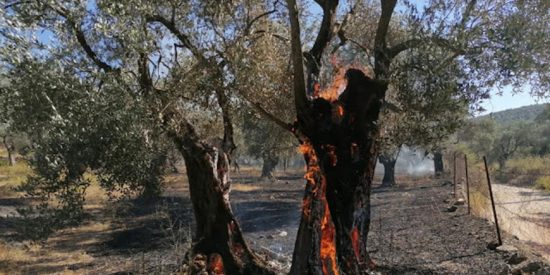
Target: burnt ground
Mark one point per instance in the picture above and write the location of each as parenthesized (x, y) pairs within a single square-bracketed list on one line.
[(411, 232)]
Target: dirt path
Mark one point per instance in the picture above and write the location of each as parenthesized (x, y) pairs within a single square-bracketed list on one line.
[(525, 213)]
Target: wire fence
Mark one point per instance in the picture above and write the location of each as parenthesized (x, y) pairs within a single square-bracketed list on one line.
[(415, 229), (505, 198)]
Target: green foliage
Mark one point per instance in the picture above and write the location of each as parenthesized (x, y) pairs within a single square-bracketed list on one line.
[(74, 129)]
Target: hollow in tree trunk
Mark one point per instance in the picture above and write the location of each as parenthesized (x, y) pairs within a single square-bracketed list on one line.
[(219, 246), (340, 152), (438, 163), (270, 161), (389, 171)]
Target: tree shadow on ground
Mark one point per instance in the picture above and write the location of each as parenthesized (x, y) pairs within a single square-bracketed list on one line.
[(145, 225), (257, 216)]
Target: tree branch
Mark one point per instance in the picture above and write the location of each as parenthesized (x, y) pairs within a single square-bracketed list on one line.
[(184, 39), (269, 116), (81, 38), (415, 42), (326, 31), (251, 22), (381, 57), (299, 85)]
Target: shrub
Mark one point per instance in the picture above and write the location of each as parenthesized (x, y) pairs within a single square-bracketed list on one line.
[(543, 183)]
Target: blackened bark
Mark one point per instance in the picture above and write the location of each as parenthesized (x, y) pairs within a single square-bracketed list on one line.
[(270, 161), (341, 155), (438, 163), (389, 171), (219, 244)]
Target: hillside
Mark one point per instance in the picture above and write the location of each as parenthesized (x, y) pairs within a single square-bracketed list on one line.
[(525, 113)]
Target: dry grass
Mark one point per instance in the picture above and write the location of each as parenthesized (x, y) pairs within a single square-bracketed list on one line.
[(244, 187), (529, 165), (11, 177), (10, 257), (479, 204)]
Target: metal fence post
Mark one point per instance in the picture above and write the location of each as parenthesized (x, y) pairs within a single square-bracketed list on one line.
[(492, 200), (467, 181), (454, 174)]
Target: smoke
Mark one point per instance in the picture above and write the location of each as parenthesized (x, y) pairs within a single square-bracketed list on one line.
[(412, 162)]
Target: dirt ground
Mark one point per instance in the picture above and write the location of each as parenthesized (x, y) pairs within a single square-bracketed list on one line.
[(525, 213), (412, 232)]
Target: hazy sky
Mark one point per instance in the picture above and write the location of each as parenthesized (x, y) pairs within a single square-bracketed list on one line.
[(508, 101)]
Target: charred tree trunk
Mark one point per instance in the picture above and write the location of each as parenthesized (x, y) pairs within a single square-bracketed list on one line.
[(270, 161), (340, 151), (219, 246), (389, 171), (438, 163)]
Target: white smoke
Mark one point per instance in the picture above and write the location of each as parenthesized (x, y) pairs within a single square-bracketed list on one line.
[(411, 161)]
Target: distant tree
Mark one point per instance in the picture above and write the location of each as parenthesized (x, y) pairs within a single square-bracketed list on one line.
[(509, 141), (267, 141)]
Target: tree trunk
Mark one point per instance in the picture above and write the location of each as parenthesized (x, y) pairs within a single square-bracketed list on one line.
[(502, 163), (219, 246), (389, 171), (270, 161), (438, 163), (340, 152), (10, 148)]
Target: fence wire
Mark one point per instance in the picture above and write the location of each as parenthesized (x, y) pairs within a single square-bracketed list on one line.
[(521, 210)]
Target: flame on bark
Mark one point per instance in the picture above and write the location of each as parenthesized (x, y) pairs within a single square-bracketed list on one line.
[(215, 265), (328, 243), (316, 180), (339, 82), (312, 171), (340, 110), (336, 87), (355, 241)]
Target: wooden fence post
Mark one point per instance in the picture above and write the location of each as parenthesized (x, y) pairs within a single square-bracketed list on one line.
[(492, 200), (467, 181)]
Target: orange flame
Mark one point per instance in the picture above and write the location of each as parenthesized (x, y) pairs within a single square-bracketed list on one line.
[(337, 86), (339, 82), (355, 241), (216, 265), (312, 170), (328, 243), (340, 110), (317, 182)]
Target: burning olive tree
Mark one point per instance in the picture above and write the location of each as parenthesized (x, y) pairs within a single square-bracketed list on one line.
[(339, 133)]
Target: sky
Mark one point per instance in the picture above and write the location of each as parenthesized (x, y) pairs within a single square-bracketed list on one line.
[(508, 100)]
